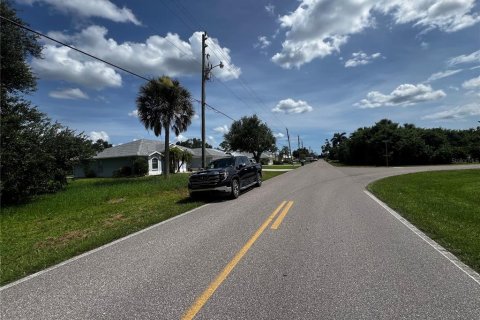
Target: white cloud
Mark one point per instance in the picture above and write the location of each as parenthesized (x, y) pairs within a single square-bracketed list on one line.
[(196, 116), (222, 129), (211, 140), (289, 106), (156, 56), (403, 95), (95, 135), (443, 74), (361, 58), (472, 84), (474, 57), (180, 137), (278, 135), (72, 94), (318, 28), (460, 112), (59, 63), (133, 113), (91, 8), (262, 43), (424, 45), (270, 8)]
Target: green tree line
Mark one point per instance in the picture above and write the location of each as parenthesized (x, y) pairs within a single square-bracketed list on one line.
[(403, 145)]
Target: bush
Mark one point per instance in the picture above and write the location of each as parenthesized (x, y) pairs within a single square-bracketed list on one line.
[(90, 174), (124, 171), (277, 162), (264, 161), (140, 167)]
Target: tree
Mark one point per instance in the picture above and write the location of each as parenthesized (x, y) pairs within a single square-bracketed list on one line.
[(179, 158), (225, 146), (101, 145), (249, 134), (37, 154), (301, 153), (163, 104), (16, 45), (193, 143)]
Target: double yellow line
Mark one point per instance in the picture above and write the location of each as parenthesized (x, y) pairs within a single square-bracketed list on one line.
[(203, 298)]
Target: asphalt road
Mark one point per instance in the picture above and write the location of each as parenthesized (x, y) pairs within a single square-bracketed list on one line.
[(337, 254)]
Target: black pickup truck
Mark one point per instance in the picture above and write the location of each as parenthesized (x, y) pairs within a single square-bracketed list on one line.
[(228, 175)]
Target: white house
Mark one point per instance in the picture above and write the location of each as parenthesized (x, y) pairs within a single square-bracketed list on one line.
[(111, 159)]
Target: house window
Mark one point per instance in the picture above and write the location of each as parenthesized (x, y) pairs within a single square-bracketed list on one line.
[(154, 164)]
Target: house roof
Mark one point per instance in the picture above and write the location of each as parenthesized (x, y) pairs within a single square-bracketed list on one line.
[(142, 147), (210, 152)]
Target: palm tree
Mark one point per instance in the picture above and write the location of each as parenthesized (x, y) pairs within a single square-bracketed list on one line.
[(164, 104)]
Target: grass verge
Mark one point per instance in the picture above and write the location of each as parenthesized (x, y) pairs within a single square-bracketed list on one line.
[(281, 166), (443, 204), (270, 174), (87, 214)]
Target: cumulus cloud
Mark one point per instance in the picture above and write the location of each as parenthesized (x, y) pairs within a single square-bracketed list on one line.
[(360, 58), (59, 63), (270, 8), (472, 84), (157, 55), (95, 135), (459, 112), (403, 95), (289, 106), (72, 94), (262, 43), (473, 57), (318, 28), (222, 129), (443, 74), (278, 135), (133, 113), (180, 138), (91, 8)]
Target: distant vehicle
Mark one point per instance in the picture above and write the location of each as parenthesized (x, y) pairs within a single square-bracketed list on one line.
[(226, 175)]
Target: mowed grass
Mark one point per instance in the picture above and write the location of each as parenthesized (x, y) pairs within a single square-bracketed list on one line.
[(443, 204), (281, 166), (270, 174), (87, 214)]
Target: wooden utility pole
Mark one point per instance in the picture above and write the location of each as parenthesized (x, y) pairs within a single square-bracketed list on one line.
[(204, 159)]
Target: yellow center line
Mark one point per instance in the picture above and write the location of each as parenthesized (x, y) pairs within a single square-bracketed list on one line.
[(282, 215), (200, 302)]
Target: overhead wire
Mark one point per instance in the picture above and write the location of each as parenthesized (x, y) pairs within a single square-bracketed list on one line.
[(97, 58)]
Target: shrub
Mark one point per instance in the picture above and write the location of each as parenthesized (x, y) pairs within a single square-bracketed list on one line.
[(90, 174), (124, 171), (140, 167)]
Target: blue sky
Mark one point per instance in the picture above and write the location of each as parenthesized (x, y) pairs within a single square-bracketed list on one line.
[(314, 66)]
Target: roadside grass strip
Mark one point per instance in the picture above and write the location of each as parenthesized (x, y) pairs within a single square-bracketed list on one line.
[(205, 296), (445, 205)]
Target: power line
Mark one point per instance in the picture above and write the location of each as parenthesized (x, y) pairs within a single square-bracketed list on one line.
[(99, 59), (73, 48)]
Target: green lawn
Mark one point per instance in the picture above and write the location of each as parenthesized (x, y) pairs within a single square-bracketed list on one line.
[(270, 174), (443, 204), (86, 215), (281, 166)]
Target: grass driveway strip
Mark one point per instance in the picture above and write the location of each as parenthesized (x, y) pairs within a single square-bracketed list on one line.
[(443, 204), (87, 214)]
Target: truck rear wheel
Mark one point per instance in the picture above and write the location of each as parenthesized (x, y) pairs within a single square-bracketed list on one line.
[(259, 180), (235, 189)]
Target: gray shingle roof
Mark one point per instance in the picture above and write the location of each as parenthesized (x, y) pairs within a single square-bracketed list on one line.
[(142, 147), (211, 152)]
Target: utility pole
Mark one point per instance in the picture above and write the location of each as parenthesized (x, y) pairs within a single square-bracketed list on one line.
[(289, 147), (298, 142), (205, 76), (204, 45), (386, 151)]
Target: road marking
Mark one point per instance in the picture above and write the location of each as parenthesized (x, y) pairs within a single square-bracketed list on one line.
[(61, 264), (201, 300), (444, 252), (280, 218)]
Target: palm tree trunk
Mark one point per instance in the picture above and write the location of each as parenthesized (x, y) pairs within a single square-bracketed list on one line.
[(166, 156)]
